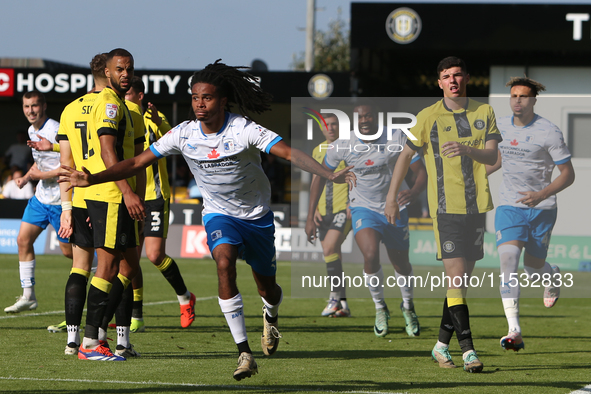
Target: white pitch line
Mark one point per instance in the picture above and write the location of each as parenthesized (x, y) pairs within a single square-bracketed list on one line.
[(270, 388), (583, 390), (15, 315)]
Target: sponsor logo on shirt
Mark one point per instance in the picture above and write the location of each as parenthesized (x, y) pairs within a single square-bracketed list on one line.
[(514, 142), (213, 154), (111, 110), (369, 162)]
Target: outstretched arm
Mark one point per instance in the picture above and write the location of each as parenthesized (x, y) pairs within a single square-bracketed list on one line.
[(122, 170), (307, 163)]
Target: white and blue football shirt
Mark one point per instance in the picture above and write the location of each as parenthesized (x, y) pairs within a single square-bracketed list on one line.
[(48, 190), (226, 165), (529, 154)]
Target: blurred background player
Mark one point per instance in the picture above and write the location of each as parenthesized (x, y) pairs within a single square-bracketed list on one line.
[(13, 191), (155, 228), (236, 227), (113, 206), (459, 136), (532, 146), (373, 170), (44, 207), (333, 220)]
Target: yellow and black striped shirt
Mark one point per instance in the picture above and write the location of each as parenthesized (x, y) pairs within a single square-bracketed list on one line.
[(111, 117), (456, 185), (74, 128), (157, 185), (335, 196)]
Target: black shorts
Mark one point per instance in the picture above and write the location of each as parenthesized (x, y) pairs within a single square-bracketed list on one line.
[(112, 226), (156, 221), (334, 221), (82, 235), (459, 236)]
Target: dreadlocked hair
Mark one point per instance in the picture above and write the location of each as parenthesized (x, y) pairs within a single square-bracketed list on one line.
[(237, 86)]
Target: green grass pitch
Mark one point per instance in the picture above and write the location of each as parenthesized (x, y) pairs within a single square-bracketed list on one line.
[(316, 354)]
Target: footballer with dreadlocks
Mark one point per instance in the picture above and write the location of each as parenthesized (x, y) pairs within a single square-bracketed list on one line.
[(223, 152)]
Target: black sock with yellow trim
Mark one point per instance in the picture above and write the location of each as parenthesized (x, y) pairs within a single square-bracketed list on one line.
[(171, 272), (98, 299), (75, 297)]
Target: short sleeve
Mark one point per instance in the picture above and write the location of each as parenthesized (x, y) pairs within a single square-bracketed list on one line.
[(169, 143), (260, 137), (333, 158), (492, 132), (108, 117), (420, 131), (556, 147)]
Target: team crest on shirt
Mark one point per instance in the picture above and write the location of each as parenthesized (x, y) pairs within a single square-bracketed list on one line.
[(112, 110), (529, 139), (228, 145), (215, 235), (479, 124), (449, 246)]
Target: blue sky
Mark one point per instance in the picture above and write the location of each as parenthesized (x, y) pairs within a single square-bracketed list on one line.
[(177, 34)]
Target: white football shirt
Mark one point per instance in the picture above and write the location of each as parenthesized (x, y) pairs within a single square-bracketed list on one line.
[(48, 190), (529, 154), (226, 165), (374, 163)]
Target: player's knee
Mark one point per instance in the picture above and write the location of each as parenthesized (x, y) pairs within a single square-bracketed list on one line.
[(66, 250), (23, 241), (226, 268), (371, 256), (155, 256), (329, 250)]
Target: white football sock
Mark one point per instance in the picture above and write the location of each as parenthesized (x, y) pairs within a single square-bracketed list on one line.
[(510, 289), (123, 336), (233, 312), (27, 276), (184, 299), (102, 335), (89, 343), (73, 334), (374, 284), (406, 288), (272, 310)]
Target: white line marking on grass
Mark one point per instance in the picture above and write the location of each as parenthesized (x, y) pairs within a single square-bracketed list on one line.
[(228, 386), (15, 315), (583, 390)]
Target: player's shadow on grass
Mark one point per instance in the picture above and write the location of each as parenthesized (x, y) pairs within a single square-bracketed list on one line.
[(251, 386), (352, 354)]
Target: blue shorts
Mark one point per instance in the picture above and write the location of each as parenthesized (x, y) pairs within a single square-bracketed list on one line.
[(255, 239), (530, 225), (41, 215), (393, 237)]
